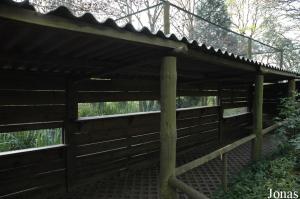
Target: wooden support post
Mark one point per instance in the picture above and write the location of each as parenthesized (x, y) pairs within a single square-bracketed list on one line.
[(249, 49), (225, 172), (292, 88), (281, 59), (221, 113), (69, 130), (257, 117), (189, 191), (166, 17), (168, 134)]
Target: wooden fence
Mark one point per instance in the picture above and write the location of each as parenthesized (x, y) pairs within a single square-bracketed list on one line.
[(98, 146)]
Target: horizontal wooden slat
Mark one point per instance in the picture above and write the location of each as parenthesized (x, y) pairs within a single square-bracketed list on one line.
[(107, 129), (49, 178), (13, 97), (118, 85), (102, 146), (30, 126), (234, 94), (127, 85), (196, 121), (197, 112), (235, 105), (236, 123), (31, 114), (89, 97), (199, 138), (85, 97), (117, 154), (197, 129), (196, 93), (20, 173), (99, 171), (31, 82), (37, 191), (237, 118), (125, 142), (20, 158)]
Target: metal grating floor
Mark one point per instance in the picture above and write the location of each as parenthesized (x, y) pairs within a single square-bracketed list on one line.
[(143, 183)]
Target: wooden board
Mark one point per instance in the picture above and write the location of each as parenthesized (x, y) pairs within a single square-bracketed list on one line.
[(31, 114), (16, 97)]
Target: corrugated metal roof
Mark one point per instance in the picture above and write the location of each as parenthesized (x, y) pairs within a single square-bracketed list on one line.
[(90, 19)]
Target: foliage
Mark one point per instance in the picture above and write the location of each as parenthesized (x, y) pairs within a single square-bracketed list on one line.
[(258, 179), (29, 139), (214, 11), (280, 172), (113, 108), (290, 113)]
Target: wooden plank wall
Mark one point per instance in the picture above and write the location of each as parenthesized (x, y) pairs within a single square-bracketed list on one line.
[(28, 103), (235, 97), (272, 95), (102, 145), (31, 102), (120, 142), (29, 172)]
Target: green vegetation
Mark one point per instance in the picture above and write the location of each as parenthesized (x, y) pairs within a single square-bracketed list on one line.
[(29, 139), (113, 108), (46, 137), (258, 179), (279, 172)]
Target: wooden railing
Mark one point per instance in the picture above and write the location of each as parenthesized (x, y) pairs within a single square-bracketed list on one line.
[(191, 192)]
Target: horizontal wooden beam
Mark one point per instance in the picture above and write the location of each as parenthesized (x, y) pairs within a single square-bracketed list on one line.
[(30, 126), (269, 71), (273, 127), (200, 161), (218, 60), (13, 97), (56, 22), (31, 114), (192, 193)]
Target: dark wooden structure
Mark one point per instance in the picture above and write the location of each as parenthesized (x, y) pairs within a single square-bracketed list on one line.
[(50, 63)]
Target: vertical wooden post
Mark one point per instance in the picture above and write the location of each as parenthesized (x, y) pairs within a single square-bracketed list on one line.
[(257, 117), (225, 172), (281, 59), (70, 128), (221, 113), (249, 49), (166, 17), (292, 88), (168, 134)]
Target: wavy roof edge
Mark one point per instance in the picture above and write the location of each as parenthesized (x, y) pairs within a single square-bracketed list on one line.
[(89, 18)]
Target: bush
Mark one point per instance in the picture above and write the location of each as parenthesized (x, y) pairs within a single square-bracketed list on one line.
[(280, 174), (258, 179)]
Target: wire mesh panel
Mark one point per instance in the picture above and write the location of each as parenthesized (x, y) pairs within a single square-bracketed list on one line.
[(150, 17), (183, 23)]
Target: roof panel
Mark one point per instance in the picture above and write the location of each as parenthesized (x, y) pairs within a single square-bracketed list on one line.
[(109, 23)]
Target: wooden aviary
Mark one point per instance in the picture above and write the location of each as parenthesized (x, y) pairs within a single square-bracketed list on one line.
[(51, 63)]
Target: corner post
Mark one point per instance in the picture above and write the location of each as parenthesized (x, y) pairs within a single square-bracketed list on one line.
[(166, 17), (168, 134), (292, 88), (258, 117)]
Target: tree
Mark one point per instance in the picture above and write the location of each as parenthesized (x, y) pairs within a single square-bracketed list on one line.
[(214, 11)]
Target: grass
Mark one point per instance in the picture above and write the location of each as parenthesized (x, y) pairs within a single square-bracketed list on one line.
[(29, 139)]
